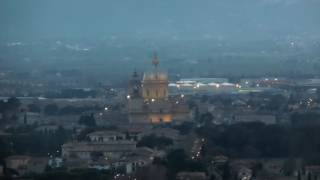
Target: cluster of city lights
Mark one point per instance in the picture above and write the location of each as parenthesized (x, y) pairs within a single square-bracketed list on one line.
[(216, 85)]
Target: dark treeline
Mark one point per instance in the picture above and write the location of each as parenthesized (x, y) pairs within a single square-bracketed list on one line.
[(34, 143), (73, 93), (154, 141), (78, 174), (176, 161), (9, 109), (257, 140), (54, 109)]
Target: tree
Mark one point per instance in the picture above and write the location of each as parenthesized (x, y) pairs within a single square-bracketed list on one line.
[(154, 141), (51, 109), (96, 155), (13, 104), (177, 160), (154, 172), (9, 109), (87, 120), (305, 119), (206, 118), (309, 176), (34, 108), (276, 103), (34, 142), (184, 128)]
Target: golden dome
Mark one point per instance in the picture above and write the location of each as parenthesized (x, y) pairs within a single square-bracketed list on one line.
[(155, 76)]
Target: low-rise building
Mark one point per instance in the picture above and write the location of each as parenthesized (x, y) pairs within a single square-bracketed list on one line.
[(313, 172), (55, 162), (85, 150), (242, 168), (106, 136), (244, 173), (273, 166), (30, 118), (47, 128), (192, 176), (1, 170), (18, 163), (220, 160), (27, 164), (264, 118)]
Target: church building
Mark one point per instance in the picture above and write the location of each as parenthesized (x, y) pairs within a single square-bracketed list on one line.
[(149, 100)]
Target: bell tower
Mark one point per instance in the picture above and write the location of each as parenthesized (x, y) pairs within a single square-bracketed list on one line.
[(135, 85)]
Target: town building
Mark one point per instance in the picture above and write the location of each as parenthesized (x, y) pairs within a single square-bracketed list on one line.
[(1, 170), (106, 136), (192, 176), (86, 150), (27, 164)]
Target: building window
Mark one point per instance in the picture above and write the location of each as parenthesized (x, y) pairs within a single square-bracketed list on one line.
[(148, 92)]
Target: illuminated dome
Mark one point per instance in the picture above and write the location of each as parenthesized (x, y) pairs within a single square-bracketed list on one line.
[(155, 76), (155, 83)]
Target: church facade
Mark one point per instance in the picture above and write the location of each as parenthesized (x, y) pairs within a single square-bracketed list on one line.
[(149, 101)]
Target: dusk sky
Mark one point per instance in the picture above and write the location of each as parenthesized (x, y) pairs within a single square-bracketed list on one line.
[(250, 19)]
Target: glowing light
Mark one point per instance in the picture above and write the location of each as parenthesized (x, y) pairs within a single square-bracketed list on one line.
[(106, 108), (152, 100), (218, 85), (182, 95), (178, 85), (292, 43), (198, 85), (128, 97)]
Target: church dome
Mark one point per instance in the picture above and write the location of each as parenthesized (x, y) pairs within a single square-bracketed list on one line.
[(155, 76), (155, 83)]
